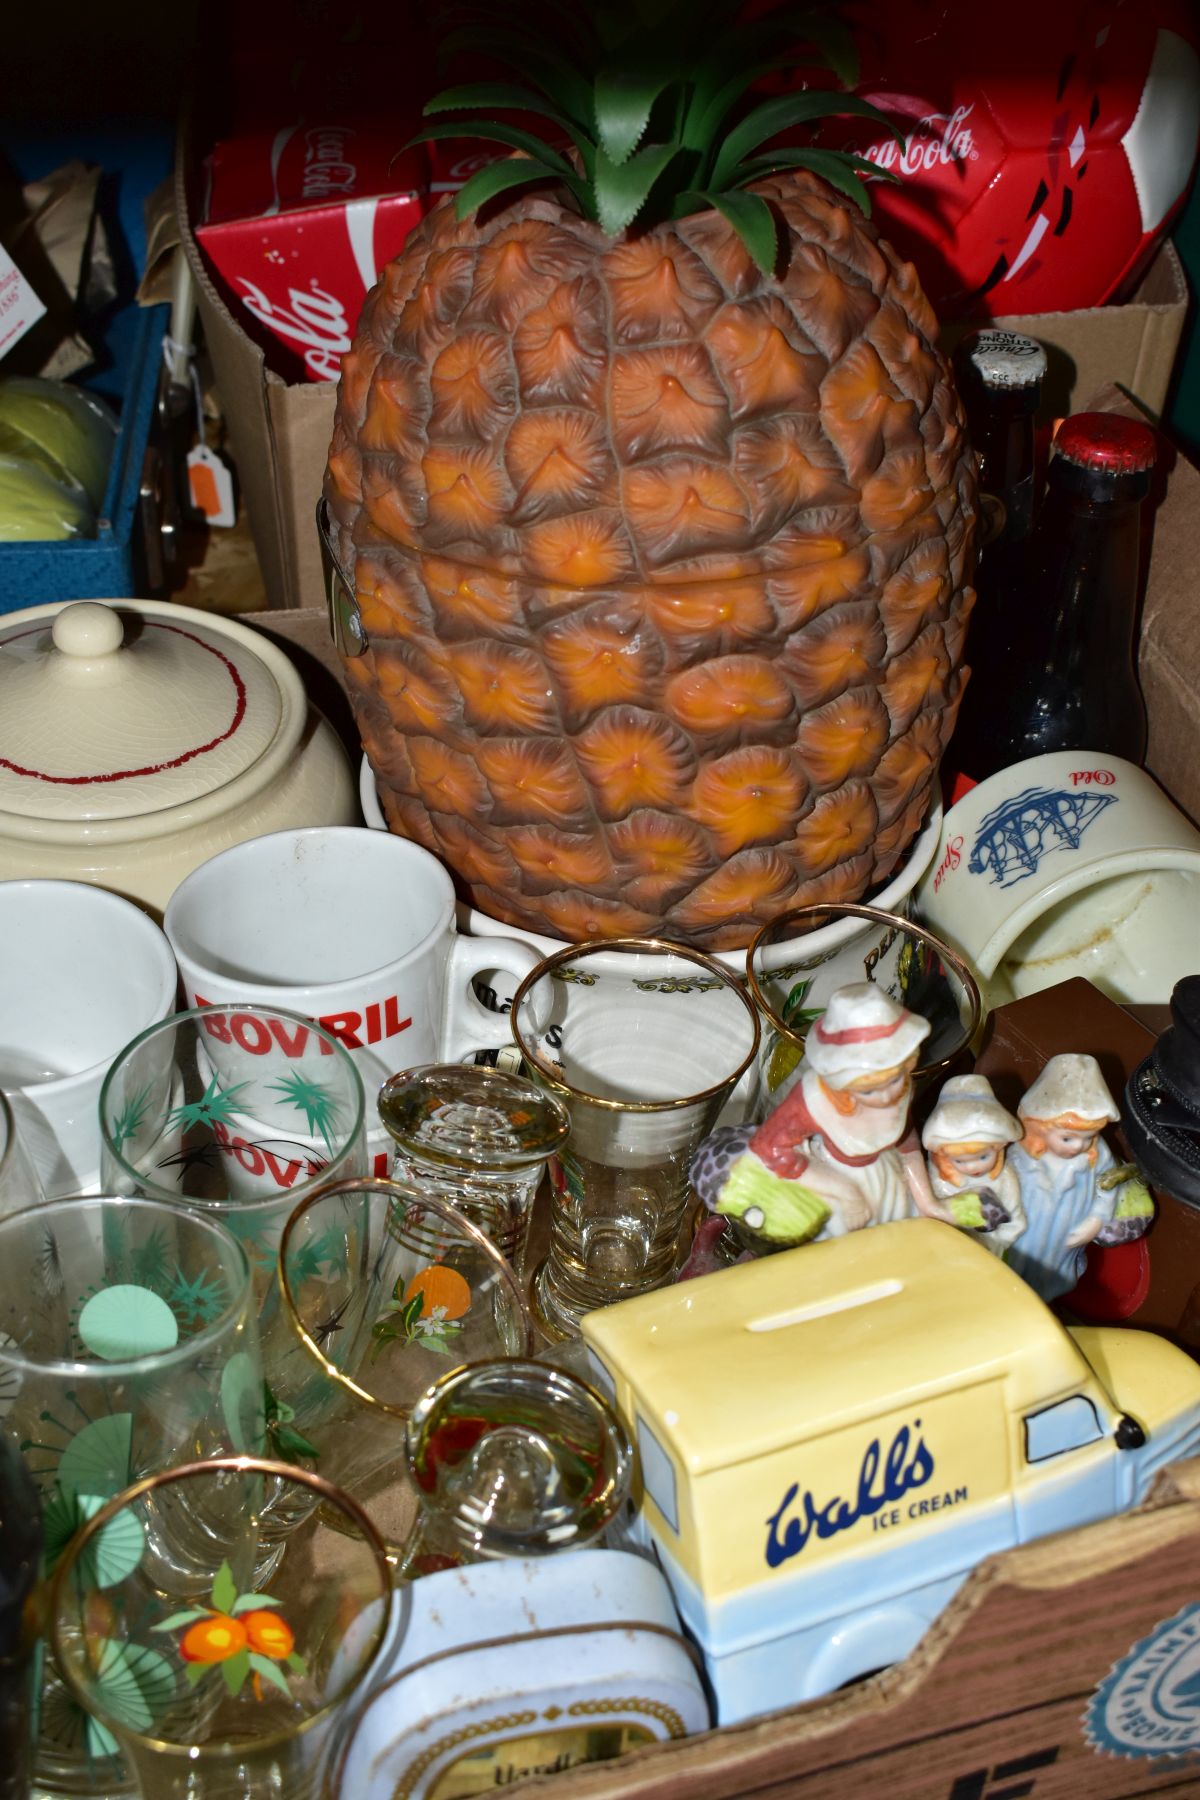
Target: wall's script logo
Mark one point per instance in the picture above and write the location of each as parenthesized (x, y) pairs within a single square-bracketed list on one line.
[(1149, 1705), (906, 1465)]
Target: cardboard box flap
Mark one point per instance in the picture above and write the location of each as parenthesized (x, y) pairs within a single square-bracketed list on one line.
[(279, 433)]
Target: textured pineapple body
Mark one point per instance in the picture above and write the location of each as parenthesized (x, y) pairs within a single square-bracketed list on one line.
[(662, 563)]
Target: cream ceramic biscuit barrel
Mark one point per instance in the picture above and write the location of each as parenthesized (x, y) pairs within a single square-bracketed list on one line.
[(1070, 864), (136, 741)]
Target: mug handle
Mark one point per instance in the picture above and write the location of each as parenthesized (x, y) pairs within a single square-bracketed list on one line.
[(469, 1025)]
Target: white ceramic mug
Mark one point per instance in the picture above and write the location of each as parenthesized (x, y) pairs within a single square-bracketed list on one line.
[(1070, 864), (353, 928), (83, 972)]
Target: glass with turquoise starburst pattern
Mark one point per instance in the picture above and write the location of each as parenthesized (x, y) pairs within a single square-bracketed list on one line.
[(128, 1343), (242, 1109)]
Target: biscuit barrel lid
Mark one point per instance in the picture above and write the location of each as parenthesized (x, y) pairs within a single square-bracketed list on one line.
[(115, 710)]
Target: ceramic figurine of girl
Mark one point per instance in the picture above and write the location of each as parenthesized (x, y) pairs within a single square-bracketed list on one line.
[(1073, 1192), (966, 1138), (838, 1152)]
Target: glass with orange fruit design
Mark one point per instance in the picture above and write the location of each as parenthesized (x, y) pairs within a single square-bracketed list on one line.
[(419, 1290), (225, 1693)]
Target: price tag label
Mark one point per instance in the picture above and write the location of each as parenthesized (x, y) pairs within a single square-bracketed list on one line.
[(211, 486), (19, 305)]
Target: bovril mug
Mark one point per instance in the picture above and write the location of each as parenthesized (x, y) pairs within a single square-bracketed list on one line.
[(352, 928)]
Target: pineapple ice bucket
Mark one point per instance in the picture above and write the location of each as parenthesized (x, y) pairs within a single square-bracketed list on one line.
[(656, 541)]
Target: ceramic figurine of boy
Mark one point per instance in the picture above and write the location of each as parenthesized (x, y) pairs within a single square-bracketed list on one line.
[(838, 1152), (1073, 1192), (966, 1138)]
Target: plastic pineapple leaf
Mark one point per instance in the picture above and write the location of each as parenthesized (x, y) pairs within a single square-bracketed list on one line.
[(753, 221), (485, 94), (499, 178), (838, 168), (553, 74), (773, 116), (555, 165), (621, 188), (623, 104), (832, 39)]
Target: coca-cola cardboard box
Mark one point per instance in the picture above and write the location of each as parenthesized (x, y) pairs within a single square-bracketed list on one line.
[(299, 221)]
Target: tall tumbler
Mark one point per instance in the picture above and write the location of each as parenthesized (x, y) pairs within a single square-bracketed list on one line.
[(607, 1027), (128, 1341)]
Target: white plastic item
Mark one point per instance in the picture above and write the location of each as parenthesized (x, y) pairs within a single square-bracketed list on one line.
[(137, 740)]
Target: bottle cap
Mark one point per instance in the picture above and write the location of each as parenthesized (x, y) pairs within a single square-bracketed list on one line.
[(1108, 442), (1006, 359)]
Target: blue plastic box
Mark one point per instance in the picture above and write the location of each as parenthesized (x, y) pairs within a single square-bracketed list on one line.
[(106, 566)]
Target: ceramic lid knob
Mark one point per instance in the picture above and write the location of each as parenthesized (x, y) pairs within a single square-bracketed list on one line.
[(87, 630)]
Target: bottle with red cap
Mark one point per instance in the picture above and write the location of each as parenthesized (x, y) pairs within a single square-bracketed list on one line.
[(1069, 681)]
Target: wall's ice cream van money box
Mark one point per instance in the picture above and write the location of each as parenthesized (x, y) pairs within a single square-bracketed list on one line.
[(832, 1437)]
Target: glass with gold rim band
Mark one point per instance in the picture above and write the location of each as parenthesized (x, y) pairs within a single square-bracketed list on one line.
[(211, 1689), (383, 1288), (916, 967), (643, 1040)]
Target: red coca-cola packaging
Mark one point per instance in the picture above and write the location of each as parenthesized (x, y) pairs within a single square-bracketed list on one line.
[(1043, 151), (298, 222)]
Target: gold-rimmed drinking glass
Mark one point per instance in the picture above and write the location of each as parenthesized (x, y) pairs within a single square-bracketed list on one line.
[(384, 1287), (210, 1689), (128, 1341), (911, 964), (610, 1028)]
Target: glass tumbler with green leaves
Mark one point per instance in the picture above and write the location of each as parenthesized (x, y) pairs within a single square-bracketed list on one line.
[(128, 1341)]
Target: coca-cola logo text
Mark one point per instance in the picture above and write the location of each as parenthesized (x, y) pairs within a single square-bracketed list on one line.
[(317, 322), (936, 141), (259, 1036), (327, 168)]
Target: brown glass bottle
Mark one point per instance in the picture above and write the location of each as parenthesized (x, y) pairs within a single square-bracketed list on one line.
[(1069, 680), (1000, 375)]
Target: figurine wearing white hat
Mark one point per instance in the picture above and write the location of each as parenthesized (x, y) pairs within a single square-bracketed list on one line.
[(1072, 1189), (838, 1151), (966, 1138)]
